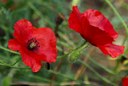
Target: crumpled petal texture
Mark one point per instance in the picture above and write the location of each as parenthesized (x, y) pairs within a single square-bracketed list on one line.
[(94, 27), (45, 41)]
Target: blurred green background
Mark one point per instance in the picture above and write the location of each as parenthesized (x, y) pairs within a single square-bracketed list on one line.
[(91, 69)]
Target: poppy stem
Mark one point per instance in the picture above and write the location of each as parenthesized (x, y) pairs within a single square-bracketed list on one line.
[(16, 67), (84, 45), (5, 49), (75, 3), (101, 66), (16, 61), (97, 74), (48, 66)]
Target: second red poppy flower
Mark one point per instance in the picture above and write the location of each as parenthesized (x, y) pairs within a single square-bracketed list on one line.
[(96, 29), (34, 44)]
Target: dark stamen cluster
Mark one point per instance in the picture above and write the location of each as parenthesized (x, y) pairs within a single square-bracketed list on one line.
[(32, 44)]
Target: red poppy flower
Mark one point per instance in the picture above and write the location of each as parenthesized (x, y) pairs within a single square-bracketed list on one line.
[(96, 29), (125, 81), (34, 44)]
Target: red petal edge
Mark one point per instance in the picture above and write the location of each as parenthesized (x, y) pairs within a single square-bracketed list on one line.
[(112, 50), (13, 45), (74, 19), (21, 27), (33, 63), (22, 24)]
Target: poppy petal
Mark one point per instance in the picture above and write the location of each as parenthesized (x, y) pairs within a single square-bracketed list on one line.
[(125, 81), (74, 19), (47, 42), (112, 50), (22, 29), (97, 19), (22, 25), (33, 63), (13, 45), (97, 37)]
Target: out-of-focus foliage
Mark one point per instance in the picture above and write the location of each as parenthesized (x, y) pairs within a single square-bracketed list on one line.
[(91, 69)]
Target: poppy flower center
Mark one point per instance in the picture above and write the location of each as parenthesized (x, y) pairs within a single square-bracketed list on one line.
[(32, 44)]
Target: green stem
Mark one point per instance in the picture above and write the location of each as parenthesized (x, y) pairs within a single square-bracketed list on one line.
[(5, 49), (75, 3), (63, 75), (34, 9), (19, 59), (39, 78), (101, 66), (97, 74), (84, 45), (8, 65)]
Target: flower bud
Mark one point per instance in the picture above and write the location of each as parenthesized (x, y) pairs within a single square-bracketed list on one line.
[(74, 55)]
